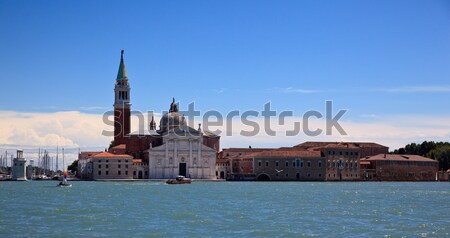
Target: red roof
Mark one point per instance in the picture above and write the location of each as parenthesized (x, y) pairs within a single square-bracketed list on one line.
[(395, 157), (121, 146), (111, 155), (137, 161), (340, 144), (285, 153)]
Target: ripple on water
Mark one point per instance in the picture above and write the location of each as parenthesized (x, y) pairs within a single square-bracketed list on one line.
[(154, 209)]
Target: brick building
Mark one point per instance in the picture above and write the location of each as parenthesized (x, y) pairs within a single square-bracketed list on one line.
[(394, 167)]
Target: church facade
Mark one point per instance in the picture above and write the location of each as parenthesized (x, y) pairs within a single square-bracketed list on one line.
[(173, 149)]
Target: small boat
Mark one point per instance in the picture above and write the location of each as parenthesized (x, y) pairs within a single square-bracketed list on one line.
[(179, 180), (64, 182)]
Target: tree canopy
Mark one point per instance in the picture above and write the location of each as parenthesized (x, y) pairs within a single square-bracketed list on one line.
[(439, 151)]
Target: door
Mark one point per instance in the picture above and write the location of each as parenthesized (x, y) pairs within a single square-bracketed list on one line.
[(182, 169), (140, 175)]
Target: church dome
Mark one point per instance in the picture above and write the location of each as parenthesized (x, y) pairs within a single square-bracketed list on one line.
[(172, 119)]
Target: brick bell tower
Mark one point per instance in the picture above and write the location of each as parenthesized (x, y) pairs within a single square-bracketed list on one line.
[(122, 105)]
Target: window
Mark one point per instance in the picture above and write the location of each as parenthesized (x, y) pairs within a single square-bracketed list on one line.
[(99, 166), (118, 166), (99, 172), (329, 152), (118, 172), (287, 163), (320, 175), (99, 160), (287, 175), (106, 166), (340, 152), (320, 164), (334, 152), (126, 161), (346, 152), (356, 153), (119, 161), (309, 175), (107, 161), (309, 163), (293, 163), (259, 163), (297, 163), (126, 166), (107, 172), (146, 173), (301, 164), (267, 163), (298, 176), (134, 173), (276, 163)]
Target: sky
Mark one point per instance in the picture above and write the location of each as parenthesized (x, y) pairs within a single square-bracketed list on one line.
[(386, 62)]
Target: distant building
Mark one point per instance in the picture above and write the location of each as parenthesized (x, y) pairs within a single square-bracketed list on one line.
[(19, 167), (394, 167), (329, 161), (137, 144), (342, 158), (105, 165), (288, 165)]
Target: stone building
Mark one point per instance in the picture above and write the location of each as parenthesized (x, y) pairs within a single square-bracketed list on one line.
[(394, 167), (288, 165), (182, 152), (105, 165), (342, 158), (140, 145)]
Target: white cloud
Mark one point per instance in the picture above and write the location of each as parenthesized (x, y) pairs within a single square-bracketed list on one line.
[(417, 89), (76, 129)]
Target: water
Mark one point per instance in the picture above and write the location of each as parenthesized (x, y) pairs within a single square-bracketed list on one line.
[(224, 209)]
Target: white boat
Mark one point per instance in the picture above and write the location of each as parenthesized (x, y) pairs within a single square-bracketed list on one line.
[(179, 180)]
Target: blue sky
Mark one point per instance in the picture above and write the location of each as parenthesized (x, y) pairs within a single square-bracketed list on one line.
[(376, 58)]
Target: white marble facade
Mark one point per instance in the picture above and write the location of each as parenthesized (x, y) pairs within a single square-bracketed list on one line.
[(182, 153)]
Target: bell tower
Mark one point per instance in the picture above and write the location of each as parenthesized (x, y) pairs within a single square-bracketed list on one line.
[(122, 105)]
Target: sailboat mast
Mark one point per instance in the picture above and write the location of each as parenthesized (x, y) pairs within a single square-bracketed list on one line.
[(56, 160)]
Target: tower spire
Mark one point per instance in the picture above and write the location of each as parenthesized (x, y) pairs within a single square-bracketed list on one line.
[(122, 74)]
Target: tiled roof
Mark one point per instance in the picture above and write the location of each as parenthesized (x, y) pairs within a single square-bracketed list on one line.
[(121, 146), (245, 149), (111, 155), (345, 143), (285, 153), (137, 161), (395, 157)]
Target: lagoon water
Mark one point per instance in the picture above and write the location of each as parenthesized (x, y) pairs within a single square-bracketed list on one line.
[(225, 209)]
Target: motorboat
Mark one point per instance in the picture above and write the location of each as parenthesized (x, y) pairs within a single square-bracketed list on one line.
[(179, 180)]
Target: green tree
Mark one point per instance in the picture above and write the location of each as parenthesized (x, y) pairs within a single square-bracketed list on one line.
[(73, 167)]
